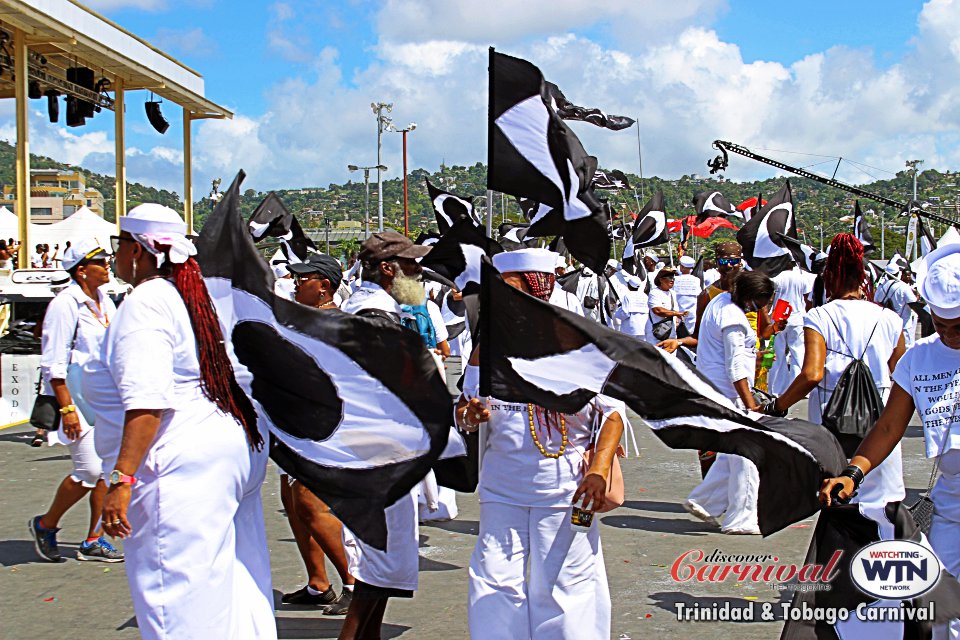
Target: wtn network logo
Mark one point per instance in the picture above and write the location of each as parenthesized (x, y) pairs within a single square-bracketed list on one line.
[(896, 569)]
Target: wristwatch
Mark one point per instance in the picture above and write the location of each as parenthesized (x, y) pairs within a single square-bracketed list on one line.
[(70, 408), (116, 477)]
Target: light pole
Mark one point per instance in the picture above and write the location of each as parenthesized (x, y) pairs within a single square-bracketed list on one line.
[(366, 197), (384, 122), (406, 212)]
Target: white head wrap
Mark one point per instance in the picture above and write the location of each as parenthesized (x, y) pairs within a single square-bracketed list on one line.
[(940, 286), (688, 262), (155, 227)]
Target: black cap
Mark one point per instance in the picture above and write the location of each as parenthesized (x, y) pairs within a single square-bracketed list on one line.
[(327, 266)]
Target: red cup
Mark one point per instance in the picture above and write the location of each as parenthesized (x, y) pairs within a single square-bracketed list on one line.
[(781, 310)]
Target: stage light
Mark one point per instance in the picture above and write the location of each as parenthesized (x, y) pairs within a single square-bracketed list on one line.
[(75, 117), (155, 117), (33, 90)]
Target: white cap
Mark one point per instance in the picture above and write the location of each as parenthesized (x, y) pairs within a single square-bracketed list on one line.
[(687, 261), (941, 285), (652, 255), (893, 268), (633, 281), (542, 260), (153, 218), (82, 250), (613, 264), (561, 262)]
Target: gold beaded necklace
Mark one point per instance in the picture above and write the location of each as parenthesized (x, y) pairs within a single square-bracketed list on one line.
[(536, 440)]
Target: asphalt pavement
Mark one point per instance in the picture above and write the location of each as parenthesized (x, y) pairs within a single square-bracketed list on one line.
[(641, 542)]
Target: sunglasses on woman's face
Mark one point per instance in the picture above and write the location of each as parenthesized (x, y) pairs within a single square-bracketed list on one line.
[(729, 262)]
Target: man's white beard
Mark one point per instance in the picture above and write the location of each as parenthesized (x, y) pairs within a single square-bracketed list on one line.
[(408, 290)]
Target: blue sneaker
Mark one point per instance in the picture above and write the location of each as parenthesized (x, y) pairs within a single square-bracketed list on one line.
[(99, 551), (44, 540)]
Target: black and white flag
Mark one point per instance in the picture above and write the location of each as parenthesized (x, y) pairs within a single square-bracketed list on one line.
[(449, 207), (536, 352), (927, 242), (356, 408), (610, 180), (650, 227), (712, 204), (898, 260), (569, 111), (458, 253), (807, 257), (427, 238), (533, 154), (513, 236), (761, 238), (271, 219), (860, 229), (847, 529)]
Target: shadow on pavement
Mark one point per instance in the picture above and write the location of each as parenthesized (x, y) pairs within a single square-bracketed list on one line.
[(471, 527), (650, 505), (660, 525), (16, 552), (325, 628)]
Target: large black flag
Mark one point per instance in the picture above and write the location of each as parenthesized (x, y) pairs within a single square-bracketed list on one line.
[(271, 219), (650, 227), (762, 237), (712, 204), (610, 180), (860, 229), (449, 207), (457, 255), (536, 352), (807, 257), (356, 408), (569, 111), (849, 528), (533, 154), (513, 235)]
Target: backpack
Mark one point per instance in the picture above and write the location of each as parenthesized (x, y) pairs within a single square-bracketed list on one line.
[(855, 404), (418, 320)]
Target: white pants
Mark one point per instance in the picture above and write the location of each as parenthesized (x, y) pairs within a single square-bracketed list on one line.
[(789, 350), (399, 566), (730, 487), (532, 576), (197, 561), (87, 465), (945, 537)]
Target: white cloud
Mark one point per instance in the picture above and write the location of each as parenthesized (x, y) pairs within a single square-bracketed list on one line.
[(190, 41)]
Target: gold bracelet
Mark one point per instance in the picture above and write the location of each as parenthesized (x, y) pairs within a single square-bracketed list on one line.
[(70, 408)]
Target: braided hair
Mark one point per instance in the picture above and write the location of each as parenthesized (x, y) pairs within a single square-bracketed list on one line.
[(217, 379), (844, 270), (540, 283)]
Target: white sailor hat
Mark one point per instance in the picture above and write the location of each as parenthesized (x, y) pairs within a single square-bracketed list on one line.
[(687, 261), (153, 218), (940, 286), (542, 260), (613, 264), (87, 249), (893, 268)]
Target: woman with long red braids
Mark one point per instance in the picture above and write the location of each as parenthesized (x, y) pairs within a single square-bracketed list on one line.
[(846, 328), (180, 442)]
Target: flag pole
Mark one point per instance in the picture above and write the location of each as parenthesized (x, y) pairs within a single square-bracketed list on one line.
[(640, 158)]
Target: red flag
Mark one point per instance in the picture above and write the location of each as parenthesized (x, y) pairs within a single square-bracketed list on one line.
[(749, 203), (708, 226)]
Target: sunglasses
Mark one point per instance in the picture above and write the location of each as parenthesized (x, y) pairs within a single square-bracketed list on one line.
[(300, 278), (115, 242), (729, 262)]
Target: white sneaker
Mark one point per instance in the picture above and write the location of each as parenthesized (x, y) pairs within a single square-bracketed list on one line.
[(699, 512), (741, 532)]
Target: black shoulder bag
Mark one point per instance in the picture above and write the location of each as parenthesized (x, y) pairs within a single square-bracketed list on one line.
[(46, 408)]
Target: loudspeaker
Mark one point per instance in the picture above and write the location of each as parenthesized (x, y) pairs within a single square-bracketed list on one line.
[(155, 117), (74, 113), (33, 90), (53, 104), (83, 77)]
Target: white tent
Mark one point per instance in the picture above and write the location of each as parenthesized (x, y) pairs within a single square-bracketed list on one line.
[(9, 227), (82, 225)]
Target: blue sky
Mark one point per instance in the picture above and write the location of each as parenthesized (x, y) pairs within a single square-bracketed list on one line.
[(874, 81)]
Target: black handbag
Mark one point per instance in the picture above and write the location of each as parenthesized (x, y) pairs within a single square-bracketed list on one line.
[(46, 410), (922, 509), (662, 330)]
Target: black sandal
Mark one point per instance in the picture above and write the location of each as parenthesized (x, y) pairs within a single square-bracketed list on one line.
[(37, 441)]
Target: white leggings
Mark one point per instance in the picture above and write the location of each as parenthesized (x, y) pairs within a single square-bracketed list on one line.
[(87, 465)]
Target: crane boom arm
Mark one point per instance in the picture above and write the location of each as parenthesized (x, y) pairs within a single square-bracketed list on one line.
[(720, 163)]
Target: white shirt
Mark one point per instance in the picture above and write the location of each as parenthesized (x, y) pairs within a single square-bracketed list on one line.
[(632, 313), (687, 288), (709, 277), (897, 294), (665, 300), (587, 286), (727, 346), (371, 296), (148, 360), (566, 300), (794, 286), (930, 372), (71, 311), (855, 320)]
